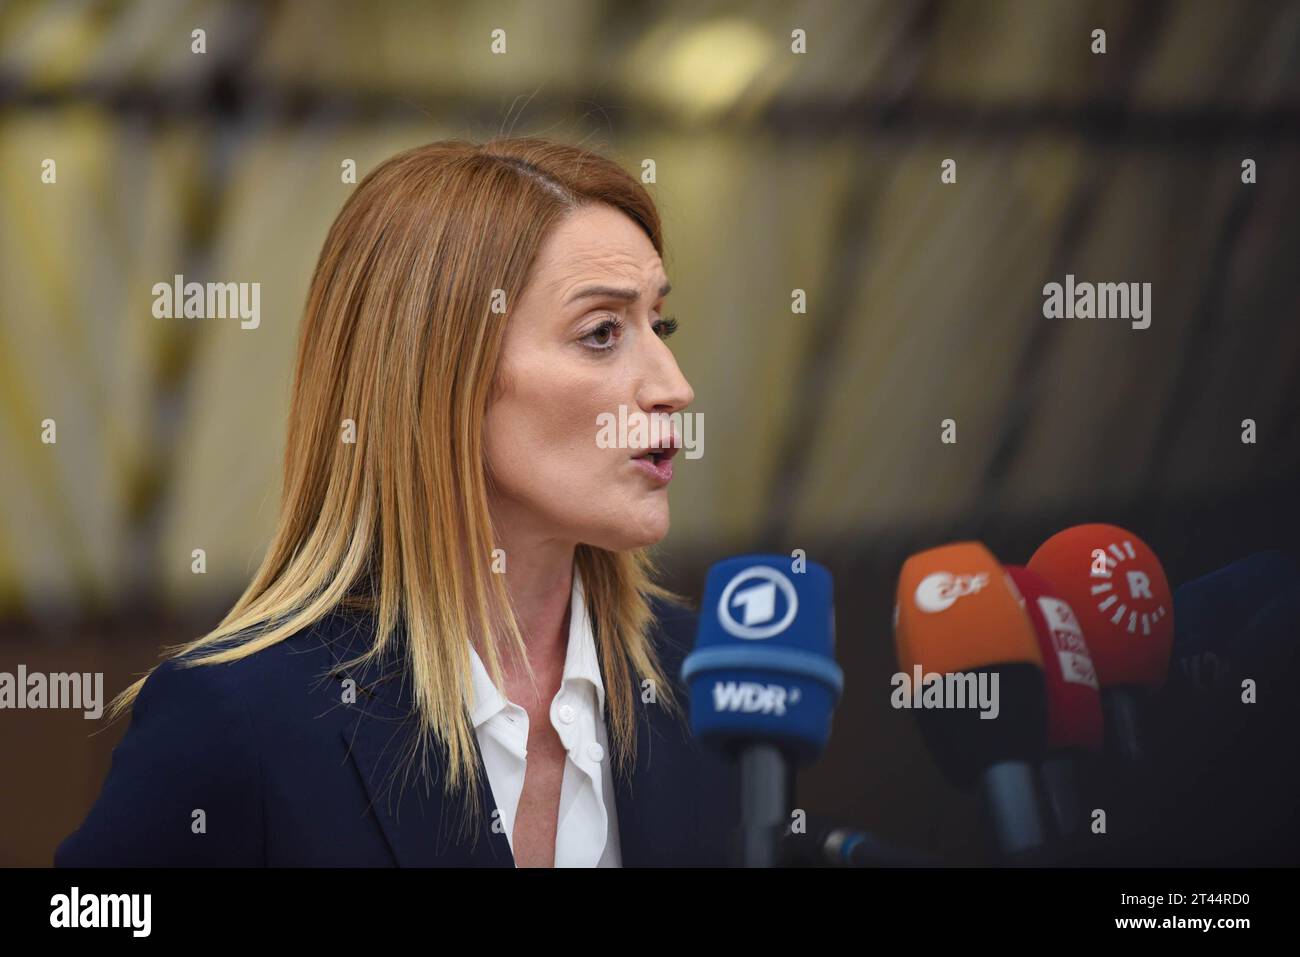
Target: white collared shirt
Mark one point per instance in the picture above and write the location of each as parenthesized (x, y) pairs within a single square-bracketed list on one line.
[(587, 827)]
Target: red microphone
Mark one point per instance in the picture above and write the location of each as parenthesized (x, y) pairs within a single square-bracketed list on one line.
[(1074, 719), (1118, 591)]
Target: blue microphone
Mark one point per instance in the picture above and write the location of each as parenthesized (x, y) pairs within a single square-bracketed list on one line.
[(1218, 616), (763, 683)]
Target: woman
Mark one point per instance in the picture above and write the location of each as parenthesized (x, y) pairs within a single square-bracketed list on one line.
[(454, 652)]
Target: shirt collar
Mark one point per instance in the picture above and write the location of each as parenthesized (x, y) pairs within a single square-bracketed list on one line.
[(580, 662)]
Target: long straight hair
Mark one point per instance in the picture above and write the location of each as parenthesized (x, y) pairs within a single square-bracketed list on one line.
[(386, 486)]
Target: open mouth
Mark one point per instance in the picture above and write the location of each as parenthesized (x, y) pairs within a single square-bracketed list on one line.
[(657, 455), (656, 463)]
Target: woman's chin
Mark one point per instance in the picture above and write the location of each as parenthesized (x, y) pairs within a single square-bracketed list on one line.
[(648, 527)]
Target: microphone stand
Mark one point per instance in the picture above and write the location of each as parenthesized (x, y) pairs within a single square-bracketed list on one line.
[(830, 845), (1011, 800), (1120, 707), (766, 797)]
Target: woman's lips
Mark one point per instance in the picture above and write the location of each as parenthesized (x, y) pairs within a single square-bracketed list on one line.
[(660, 471)]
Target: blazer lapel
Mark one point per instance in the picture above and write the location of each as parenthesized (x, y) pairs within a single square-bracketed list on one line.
[(632, 837), (678, 807), (645, 815), (421, 829)]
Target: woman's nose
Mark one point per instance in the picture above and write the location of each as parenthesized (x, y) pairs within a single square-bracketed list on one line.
[(664, 388)]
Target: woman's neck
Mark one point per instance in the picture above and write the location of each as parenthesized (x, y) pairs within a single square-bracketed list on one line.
[(539, 579)]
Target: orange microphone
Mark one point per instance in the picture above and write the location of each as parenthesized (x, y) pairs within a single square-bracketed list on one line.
[(1118, 590), (972, 670)]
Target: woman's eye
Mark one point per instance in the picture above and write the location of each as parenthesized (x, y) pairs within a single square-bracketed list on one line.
[(602, 337), (666, 327)]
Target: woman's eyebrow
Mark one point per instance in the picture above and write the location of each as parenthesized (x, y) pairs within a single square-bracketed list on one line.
[(614, 292)]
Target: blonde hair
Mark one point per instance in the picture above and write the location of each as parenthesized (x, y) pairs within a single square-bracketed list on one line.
[(399, 336)]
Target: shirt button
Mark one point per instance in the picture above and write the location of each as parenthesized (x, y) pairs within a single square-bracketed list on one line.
[(567, 714), (595, 751)]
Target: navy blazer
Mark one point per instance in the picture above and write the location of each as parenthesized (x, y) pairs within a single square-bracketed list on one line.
[(288, 775)]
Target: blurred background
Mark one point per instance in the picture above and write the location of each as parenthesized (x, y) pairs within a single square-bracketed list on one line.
[(775, 171)]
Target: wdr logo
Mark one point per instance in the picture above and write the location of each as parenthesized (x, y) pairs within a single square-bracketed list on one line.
[(759, 604), (751, 697)]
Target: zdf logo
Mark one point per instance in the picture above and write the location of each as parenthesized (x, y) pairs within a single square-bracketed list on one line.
[(938, 591), (757, 603)]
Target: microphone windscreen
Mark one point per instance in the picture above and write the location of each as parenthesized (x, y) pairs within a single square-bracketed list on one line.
[(763, 668), (1117, 589), (1074, 717), (956, 612), (1271, 640), (1213, 609)]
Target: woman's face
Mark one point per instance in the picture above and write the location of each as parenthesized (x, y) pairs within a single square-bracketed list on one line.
[(576, 347)]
